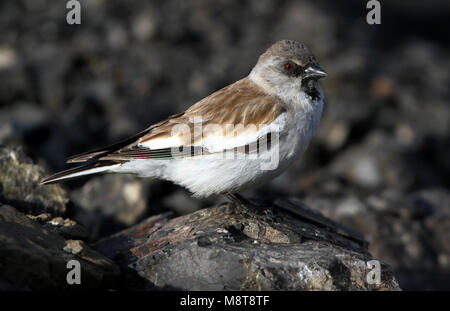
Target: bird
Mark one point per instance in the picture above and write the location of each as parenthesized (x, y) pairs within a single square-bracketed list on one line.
[(239, 137)]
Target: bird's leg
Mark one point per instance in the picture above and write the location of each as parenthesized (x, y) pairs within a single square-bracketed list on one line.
[(237, 199)]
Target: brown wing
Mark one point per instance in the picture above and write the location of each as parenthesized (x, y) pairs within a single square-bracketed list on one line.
[(97, 153), (242, 102)]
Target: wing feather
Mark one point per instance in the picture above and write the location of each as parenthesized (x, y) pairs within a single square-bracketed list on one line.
[(248, 112)]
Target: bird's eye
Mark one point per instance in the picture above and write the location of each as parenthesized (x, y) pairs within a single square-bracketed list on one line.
[(288, 66)]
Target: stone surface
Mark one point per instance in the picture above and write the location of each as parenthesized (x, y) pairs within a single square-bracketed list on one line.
[(34, 257), (285, 247), (109, 203), (19, 185), (68, 228), (409, 232), (37, 240)]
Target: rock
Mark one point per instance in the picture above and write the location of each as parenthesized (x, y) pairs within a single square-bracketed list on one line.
[(108, 203), (181, 202), (375, 162), (438, 224), (68, 228), (409, 232), (280, 247), (65, 227), (41, 218), (7, 58), (33, 257), (74, 247), (19, 185)]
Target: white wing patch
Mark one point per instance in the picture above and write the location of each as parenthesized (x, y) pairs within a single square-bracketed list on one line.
[(161, 143), (219, 137)]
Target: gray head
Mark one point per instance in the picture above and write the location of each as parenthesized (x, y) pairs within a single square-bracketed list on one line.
[(288, 66)]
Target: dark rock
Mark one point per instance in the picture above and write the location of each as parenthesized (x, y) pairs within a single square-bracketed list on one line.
[(374, 163), (34, 257), (68, 228), (19, 185), (438, 226), (181, 202), (409, 232), (285, 247), (41, 218), (110, 202)]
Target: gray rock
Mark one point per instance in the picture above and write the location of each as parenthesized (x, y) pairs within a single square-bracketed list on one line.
[(374, 163), (68, 228), (438, 224), (19, 185), (34, 257), (409, 232), (287, 247), (109, 202)]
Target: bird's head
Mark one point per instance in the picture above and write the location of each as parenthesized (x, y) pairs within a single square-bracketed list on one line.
[(286, 68)]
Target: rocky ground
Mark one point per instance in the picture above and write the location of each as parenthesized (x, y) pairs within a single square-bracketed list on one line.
[(281, 246), (380, 162), (36, 242)]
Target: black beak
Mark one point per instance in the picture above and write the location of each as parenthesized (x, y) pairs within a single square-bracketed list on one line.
[(313, 71)]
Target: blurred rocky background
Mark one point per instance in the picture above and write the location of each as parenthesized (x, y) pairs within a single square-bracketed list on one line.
[(380, 162)]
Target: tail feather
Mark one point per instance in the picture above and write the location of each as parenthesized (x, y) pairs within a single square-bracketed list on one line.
[(82, 170), (99, 152)]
